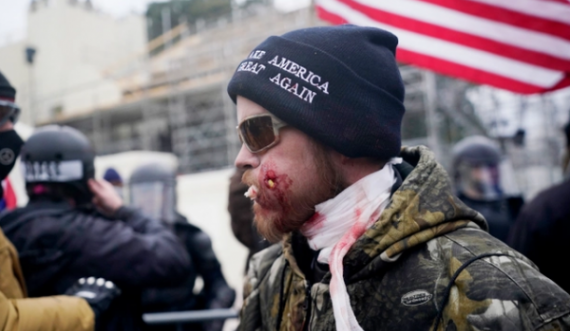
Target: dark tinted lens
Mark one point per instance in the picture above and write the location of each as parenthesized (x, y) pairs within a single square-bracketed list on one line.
[(257, 132), (5, 111)]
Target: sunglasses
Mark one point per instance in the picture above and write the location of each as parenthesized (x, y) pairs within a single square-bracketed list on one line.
[(260, 132), (9, 111)]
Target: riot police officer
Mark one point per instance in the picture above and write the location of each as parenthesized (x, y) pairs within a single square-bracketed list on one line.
[(91, 296), (61, 236), (153, 189)]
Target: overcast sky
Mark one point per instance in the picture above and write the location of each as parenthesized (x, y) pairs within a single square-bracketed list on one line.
[(13, 13)]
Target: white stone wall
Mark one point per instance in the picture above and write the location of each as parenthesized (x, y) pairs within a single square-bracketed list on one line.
[(75, 47)]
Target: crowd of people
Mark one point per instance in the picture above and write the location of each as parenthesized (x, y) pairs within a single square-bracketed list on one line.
[(347, 229)]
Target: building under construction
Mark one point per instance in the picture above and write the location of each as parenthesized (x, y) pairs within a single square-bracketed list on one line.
[(175, 100)]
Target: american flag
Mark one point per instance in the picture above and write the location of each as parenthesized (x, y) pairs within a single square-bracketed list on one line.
[(518, 45)]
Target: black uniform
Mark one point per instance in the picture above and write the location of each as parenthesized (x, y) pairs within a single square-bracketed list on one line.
[(500, 214), (58, 244), (542, 231), (153, 183), (214, 294)]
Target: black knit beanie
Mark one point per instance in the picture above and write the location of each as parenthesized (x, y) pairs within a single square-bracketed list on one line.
[(339, 84), (6, 90)]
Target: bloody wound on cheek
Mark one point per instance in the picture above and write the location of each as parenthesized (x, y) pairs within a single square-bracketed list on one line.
[(270, 179)]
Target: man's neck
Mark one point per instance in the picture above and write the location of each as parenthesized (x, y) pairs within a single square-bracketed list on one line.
[(354, 170)]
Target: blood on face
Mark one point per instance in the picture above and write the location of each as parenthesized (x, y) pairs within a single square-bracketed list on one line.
[(273, 196)]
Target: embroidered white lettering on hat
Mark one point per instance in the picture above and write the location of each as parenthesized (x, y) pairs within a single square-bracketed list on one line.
[(257, 54), (285, 83), (301, 72), (251, 66)]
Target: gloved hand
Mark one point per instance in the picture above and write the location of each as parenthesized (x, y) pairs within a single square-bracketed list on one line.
[(98, 293)]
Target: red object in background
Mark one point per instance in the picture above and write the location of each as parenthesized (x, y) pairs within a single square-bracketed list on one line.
[(9, 195), (518, 45)]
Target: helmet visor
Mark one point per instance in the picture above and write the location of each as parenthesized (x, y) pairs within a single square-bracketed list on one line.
[(149, 198)]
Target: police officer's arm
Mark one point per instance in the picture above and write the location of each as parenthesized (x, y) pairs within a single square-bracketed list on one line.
[(133, 251), (110, 203)]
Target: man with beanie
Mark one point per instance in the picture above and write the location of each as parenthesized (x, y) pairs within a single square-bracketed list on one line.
[(372, 236), (17, 312)]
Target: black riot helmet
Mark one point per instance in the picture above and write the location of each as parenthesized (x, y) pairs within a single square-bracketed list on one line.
[(476, 162), (153, 189), (57, 157)]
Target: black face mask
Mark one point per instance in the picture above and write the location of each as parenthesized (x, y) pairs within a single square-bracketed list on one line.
[(10, 145)]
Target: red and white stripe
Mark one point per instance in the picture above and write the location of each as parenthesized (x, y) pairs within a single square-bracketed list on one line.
[(518, 45)]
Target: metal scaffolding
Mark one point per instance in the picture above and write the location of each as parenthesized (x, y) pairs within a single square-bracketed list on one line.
[(183, 107)]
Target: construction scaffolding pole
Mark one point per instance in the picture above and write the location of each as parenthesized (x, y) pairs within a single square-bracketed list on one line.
[(430, 96)]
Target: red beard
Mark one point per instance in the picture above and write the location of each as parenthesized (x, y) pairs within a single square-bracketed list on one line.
[(278, 207)]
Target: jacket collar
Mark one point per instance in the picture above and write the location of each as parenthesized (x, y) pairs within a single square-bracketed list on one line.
[(422, 207)]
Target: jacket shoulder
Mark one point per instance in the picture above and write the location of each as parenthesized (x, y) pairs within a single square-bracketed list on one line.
[(260, 266), (502, 281), (262, 261), (258, 289)]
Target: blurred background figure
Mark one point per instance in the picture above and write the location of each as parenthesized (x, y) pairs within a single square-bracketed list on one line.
[(112, 176), (153, 189), (542, 229), (74, 227), (477, 175), (566, 156), (9, 113), (8, 200), (241, 213)]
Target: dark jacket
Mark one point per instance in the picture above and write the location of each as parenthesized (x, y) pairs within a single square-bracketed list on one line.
[(427, 261), (500, 214), (59, 244), (542, 233), (215, 292)]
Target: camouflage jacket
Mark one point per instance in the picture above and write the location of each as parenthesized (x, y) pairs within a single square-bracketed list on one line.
[(426, 264)]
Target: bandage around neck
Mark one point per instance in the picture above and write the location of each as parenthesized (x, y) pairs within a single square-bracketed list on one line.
[(339, 222)]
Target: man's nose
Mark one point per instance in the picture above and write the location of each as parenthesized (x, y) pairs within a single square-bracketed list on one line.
[(246, 159)]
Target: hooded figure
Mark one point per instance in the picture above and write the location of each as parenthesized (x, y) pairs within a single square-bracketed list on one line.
[(153, 189), (477, 179), (372, 235)]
